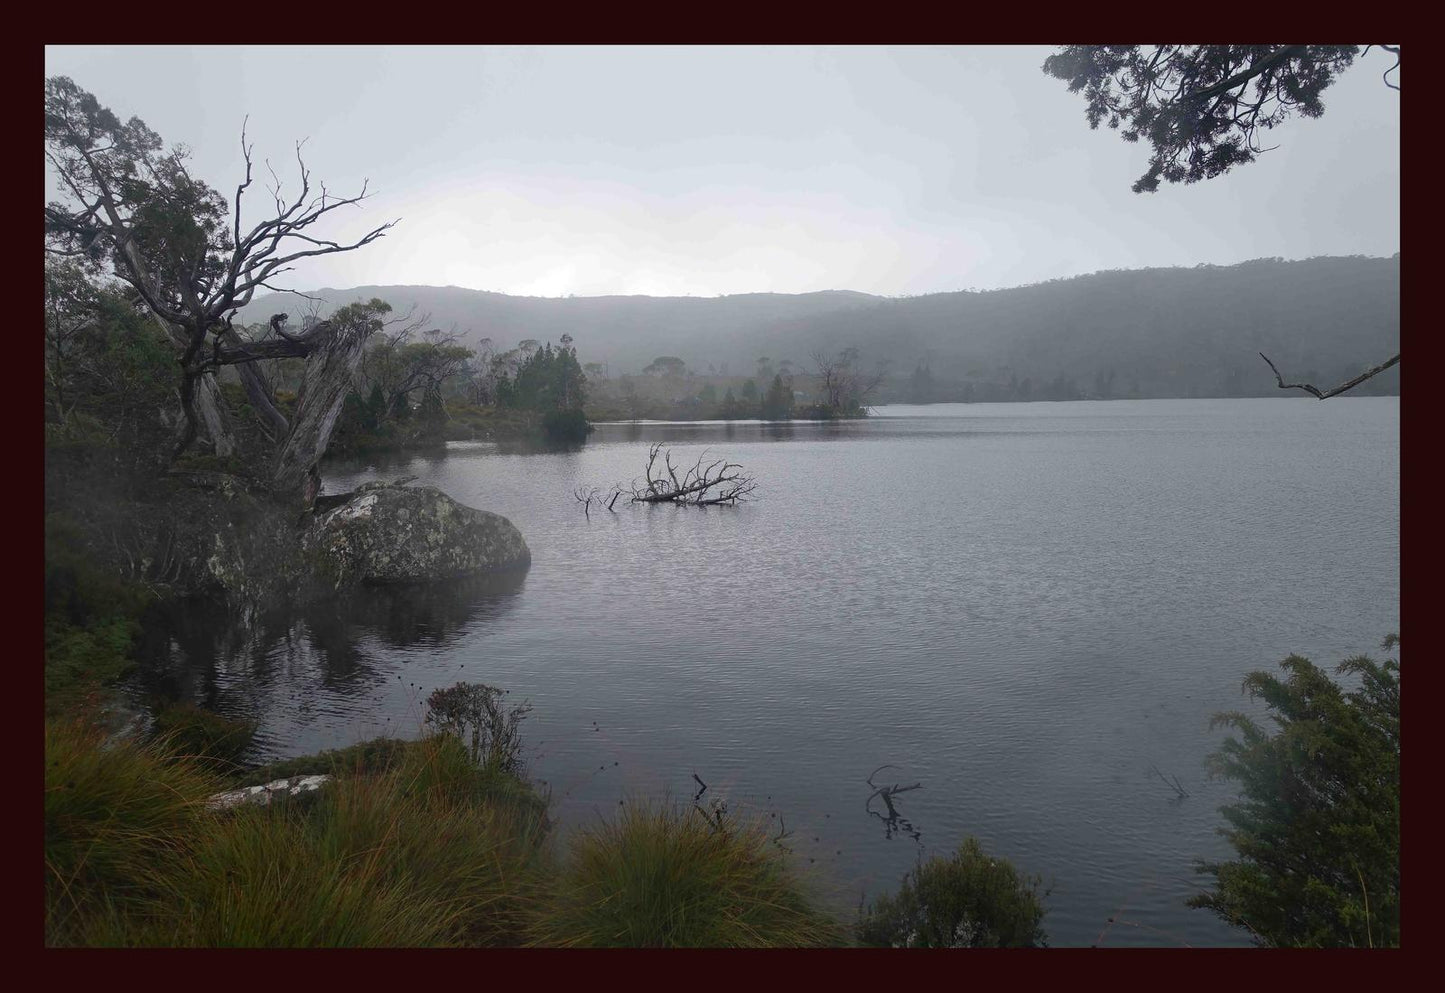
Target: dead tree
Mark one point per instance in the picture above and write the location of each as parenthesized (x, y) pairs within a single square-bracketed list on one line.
[(718, 482), (844, 387), (182, 247), (586, 497), (1171, 781)]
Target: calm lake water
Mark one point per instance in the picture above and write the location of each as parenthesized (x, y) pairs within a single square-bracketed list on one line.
[(1024, 608)]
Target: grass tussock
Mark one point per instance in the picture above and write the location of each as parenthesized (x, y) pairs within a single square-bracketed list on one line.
[(426, 853), (111, 815), (432, 851), (412, 844), (661, 877)]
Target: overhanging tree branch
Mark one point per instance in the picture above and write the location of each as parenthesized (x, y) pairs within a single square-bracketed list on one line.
[(1343, 387)]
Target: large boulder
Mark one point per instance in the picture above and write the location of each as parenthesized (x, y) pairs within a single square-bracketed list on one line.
[(385, 533)]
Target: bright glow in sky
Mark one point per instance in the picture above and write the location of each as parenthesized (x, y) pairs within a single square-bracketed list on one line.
[(706, 171)]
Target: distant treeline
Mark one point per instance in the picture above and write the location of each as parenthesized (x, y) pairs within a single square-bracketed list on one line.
[(1133, 333)]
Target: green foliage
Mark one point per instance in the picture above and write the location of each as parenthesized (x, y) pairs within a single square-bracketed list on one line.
[(469, 422), (967, 901), (373, 409), (549, 379), (81, 662), (1317, 825), (1193, 103), (385, 419), (176, 223), (363, 758), (566, 426), (401, 409), (110, 372), (91, 618), (666, 365), (778, 403), (204, 737), (399, 367), (657, 878)]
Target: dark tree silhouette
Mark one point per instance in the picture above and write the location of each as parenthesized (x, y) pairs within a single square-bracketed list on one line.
[(130, 203), (845, 387), (1201, 107), (702, 485)]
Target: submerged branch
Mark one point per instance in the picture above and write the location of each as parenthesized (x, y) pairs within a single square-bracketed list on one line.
[(718, 482)]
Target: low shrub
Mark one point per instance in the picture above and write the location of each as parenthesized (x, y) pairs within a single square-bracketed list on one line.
[(92, 618), (476, 715), (967, 901), (364, 758)]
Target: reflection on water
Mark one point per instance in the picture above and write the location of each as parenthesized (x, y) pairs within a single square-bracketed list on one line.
[(1028, 607), (345, 646), (886, 796)]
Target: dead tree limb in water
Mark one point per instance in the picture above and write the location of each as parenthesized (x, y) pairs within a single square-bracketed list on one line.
[(586, 497), (1343, 387), (1171, 781), (894, 821), (703, 485)]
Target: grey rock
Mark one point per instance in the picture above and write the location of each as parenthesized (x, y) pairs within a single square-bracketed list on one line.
[(390, 534)]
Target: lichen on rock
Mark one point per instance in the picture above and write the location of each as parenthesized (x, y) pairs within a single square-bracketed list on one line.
[(266, 794), (391, 534)]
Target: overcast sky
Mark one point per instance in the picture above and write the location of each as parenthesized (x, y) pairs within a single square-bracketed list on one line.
[(706, 171)]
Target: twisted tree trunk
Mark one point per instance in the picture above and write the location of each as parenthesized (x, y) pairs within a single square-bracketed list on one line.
[(327, 379), (212, 411), (205, 400)]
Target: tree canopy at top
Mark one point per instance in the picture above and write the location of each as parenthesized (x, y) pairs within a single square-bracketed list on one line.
[(1201, 107)]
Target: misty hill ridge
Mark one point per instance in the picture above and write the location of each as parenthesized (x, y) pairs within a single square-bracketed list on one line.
[(1161, 331)]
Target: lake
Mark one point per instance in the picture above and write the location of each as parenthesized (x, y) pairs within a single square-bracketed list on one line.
[(1026, 609)]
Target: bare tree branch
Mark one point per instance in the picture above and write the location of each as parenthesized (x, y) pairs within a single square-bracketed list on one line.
[(1343, 387), (717, 483), (170, 237)]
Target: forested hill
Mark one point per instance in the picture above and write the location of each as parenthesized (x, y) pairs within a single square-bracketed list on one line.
[(1146, 332), (627, 332)]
